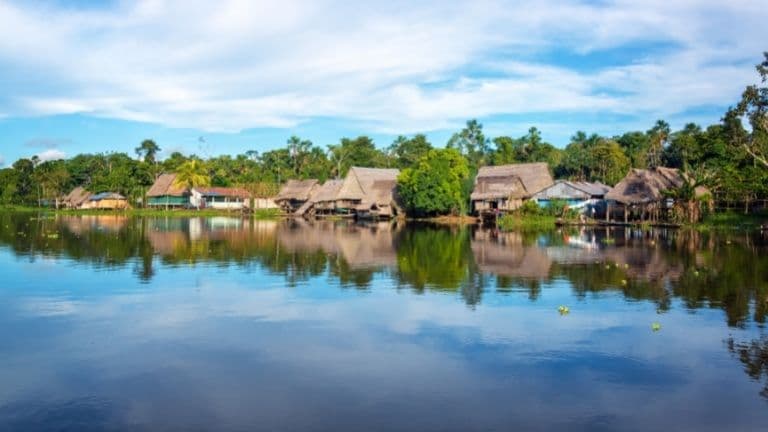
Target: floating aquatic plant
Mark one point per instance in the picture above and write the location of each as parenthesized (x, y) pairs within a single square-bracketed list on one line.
[(564, 310), (656, 326)]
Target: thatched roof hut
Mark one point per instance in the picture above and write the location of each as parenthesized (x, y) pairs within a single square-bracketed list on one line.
[(369, 191), (643, 186), (324, 197), (297, 190), (295, 193), (76, 198), (504, 187), (165, 192), (327, 192), (165, 185)]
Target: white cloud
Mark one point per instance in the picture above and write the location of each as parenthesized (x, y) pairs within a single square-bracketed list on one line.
[(51, 155), (399, 66)]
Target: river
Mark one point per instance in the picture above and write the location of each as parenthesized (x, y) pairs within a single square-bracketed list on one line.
[(119, 323)]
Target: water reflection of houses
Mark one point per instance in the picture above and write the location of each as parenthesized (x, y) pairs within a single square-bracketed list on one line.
[(79, 225), (504, 254), (507, 254), (170, 235), (645, 262), (361, 246)]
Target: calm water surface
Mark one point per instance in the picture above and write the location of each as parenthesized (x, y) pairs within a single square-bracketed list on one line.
[(112, 323)]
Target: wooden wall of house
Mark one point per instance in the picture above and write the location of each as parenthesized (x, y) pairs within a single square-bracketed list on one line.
[(501, 204)]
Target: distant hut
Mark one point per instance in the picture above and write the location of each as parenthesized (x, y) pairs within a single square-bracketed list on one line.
[(644, 193), (223, 198), (369, 193), (108, 201), (166, 193), (77, 198), (295, 194), (504, 188), (324, 198), (584, 196)]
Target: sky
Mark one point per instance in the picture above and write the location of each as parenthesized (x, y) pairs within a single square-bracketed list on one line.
[(230, 76)]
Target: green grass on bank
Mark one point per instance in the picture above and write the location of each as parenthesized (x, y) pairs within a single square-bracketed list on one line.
[(257, 214), (733, 221), (518, 222)]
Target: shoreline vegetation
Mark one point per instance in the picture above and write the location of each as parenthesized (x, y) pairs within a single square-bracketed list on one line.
[(517, 221), (182, 213)]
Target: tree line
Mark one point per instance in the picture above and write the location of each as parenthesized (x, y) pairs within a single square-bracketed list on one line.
[(730, 157)]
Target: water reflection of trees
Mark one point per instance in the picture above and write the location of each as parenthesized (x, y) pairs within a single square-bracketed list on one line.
[(703, 270), (754, 356)]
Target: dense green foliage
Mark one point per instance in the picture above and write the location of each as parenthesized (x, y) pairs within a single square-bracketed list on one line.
[(435, 184), (729, 158)]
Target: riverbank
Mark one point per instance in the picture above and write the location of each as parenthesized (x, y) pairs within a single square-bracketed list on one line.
[(715, 222), (733, 221), (448, 220), (516, 222), (185, 213)]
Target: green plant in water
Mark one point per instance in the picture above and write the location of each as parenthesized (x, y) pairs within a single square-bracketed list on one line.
[(656, 326), (563, 310)]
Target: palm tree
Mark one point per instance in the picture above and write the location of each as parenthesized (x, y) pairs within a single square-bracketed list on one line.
[(192, 173)]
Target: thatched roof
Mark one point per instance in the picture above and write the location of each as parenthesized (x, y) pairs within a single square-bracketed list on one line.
[(648, 185), (297, 190), (381, 195), (77, 197), (164, 186), (223, 192), (369, 185), (511, 181), (327, 192)]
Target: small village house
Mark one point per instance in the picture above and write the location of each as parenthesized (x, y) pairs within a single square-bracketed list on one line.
[(587, 197), (166, 193), (369, 193), (220, 198), (107, 201), (77, 198), (295, 194), (503, 188), (323, 200), (644, 194)]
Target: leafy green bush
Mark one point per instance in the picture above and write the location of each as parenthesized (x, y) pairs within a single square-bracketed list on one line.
[(435, 186)]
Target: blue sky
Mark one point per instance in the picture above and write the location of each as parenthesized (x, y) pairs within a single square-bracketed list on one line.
[(89, 76)]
